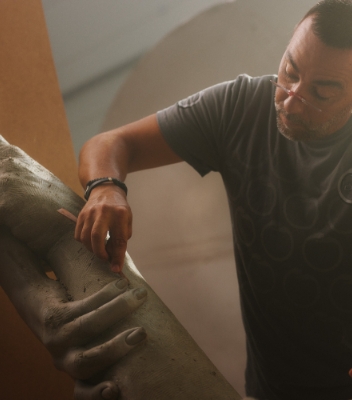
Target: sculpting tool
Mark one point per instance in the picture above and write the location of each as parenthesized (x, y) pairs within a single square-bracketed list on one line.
[(67, 214)]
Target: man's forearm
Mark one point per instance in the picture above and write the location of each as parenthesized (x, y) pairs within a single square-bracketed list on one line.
[(105, 155), (133, 147)]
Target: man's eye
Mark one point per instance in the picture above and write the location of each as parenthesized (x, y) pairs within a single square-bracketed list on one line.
[(321, 98), (323, 95), (290, 75)]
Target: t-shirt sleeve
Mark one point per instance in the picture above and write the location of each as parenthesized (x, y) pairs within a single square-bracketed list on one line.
[(198, 127)]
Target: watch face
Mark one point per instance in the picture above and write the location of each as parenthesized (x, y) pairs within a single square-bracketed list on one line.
[(345, 186)]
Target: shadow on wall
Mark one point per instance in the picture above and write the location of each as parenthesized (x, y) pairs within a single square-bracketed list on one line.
[(182, 232)]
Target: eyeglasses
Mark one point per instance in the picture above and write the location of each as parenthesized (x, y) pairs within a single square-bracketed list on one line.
[(294, 94)]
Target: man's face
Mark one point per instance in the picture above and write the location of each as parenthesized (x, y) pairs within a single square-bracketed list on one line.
[(320, 74)]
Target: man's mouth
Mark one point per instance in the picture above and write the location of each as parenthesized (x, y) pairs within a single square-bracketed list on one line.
[(290, 121)]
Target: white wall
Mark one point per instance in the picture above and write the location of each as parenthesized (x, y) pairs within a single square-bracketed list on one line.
[(93, 37), (86, 107)]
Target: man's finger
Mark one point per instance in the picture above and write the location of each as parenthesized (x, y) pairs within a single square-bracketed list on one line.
[(98, 239), (116, 249), (120, 233)]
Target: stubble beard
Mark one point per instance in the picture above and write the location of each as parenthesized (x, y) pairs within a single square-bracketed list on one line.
[(305, 131)]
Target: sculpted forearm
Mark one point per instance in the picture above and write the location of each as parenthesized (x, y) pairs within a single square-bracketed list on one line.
[(168, 366)]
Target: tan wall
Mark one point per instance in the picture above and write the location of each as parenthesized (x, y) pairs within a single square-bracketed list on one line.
[(31, 116), (181, 239), (187, 260)]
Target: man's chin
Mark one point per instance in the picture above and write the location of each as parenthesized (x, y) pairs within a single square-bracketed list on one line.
[(296, 135), (294, 128)]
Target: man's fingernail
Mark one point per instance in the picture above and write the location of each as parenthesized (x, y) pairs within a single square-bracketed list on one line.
[(121, 284), (136, 336), (140, 293), (115, 268)]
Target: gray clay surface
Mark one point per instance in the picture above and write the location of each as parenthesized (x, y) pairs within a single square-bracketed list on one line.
[(69, 315)]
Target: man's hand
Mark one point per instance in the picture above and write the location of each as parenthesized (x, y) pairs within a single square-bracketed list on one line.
[(133, 147), (106, 212)]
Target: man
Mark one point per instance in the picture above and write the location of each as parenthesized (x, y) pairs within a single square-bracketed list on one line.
[(283, 147)]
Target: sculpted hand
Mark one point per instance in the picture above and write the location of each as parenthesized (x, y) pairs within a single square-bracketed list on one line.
[(102, 391), (106, 211), (72, 331)]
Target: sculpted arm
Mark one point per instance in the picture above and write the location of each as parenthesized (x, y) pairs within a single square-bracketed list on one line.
[(133, 147), (69, 329), (168, 366)]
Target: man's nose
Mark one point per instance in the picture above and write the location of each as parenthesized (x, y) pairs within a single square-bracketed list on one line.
[(293, 104)]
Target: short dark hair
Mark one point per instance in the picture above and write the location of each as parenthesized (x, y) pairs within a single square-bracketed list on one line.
[(332, 22)]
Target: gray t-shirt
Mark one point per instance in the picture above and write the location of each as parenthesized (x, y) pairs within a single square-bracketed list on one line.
[(291, 210)]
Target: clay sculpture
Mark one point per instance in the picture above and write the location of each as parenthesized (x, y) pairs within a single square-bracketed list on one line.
[(91, 320)]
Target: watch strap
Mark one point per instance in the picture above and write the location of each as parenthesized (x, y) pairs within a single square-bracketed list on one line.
[(100, 181)]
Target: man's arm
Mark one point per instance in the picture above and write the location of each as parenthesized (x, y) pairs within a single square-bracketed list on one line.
[(133, 147)]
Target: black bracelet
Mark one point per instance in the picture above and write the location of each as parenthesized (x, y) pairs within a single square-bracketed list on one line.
[(99, 181)]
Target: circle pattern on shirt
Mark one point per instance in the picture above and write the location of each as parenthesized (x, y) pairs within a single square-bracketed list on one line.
[(337, 216), (191, 100), (322, 253), (277, 241), (345, 186), (301, 212), (301, 289), (261, 275), (234, 189), (244, 227), (261, 197)]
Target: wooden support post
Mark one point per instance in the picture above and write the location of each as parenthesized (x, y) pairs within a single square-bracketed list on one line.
[(32, 116)]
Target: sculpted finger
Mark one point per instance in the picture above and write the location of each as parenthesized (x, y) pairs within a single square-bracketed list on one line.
[(98, 299), (84, 329), (103, 391), (87, 363)]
